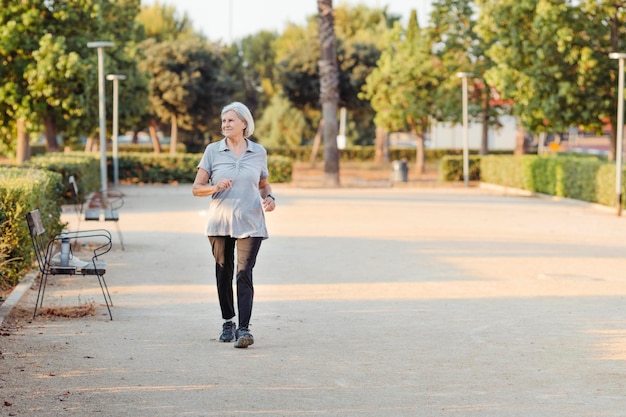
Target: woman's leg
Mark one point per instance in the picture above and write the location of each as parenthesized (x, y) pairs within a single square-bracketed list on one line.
[(224, 254), (247, 250)]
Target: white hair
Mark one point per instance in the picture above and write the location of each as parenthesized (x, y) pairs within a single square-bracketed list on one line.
[(244, 114)]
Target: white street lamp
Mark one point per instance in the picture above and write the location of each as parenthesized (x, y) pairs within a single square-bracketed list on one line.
[(620, 130), (464, 76), (102, 112), (115, 78)]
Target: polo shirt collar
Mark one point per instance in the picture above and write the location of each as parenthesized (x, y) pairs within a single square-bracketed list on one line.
[(251, 146)]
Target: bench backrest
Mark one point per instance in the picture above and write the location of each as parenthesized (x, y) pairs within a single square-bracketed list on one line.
[(37, 231)]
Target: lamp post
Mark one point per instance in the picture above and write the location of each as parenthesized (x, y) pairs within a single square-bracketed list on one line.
[(102, 112), (464, 76), (115, 78), (620, 129)]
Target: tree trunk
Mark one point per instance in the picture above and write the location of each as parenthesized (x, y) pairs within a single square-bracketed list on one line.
[(382, 146), (420, 159), (174, 135), (51, 133), (23, 148), (153, 135), (520, 141), (329, 91), (90, 145)]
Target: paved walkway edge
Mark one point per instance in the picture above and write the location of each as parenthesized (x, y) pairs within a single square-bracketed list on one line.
[(16, 295)]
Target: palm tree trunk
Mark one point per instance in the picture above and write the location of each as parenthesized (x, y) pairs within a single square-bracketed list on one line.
[(329, 94)]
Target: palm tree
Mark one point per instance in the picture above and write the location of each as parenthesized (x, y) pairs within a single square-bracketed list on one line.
[(329, 91)]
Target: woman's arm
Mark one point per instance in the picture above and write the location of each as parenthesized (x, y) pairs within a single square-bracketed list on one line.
[(265, 189), (201, 187)]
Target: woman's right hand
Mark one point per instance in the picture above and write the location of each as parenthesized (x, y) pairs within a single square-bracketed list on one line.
[(224, 184)]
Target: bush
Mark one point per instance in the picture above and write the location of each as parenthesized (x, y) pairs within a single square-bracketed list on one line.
[(451, 168), (181, 168), (280, 168), (84, 167), (588, 179), (23, 190)]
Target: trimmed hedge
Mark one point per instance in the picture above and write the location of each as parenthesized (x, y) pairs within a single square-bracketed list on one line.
[(181, 168), (84, 167), (23, 190), (451, 168), (582, 178), (364, 153)]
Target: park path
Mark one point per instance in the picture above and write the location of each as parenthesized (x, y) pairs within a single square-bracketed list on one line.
[(369, 302)]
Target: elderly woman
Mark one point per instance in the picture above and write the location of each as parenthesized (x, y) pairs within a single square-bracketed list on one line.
[(233, 171)]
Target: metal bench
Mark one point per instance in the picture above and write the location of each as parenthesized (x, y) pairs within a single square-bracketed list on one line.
[(96, 208), (54, 256)]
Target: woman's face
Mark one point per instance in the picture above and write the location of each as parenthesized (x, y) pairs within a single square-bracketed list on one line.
[(232, 125)]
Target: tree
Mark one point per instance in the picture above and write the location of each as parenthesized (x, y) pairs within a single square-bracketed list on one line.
[(163, 23), (187, 85), (604, 32), (553, 63), (400, 88), (329, 90), (359, 31), (460, 49), (49, 75), (281, 124), (251, 65)]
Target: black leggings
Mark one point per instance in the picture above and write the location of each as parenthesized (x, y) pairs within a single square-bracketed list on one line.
[(224, 254)]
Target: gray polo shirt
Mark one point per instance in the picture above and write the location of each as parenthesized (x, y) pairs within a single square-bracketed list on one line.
[(238, 211)]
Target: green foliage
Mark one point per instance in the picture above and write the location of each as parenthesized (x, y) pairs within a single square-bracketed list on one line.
[(281, 124), (251, 65), (141, 168), (84, 167), (280, 169), (47, 72), (508, 171), (186, 82), (451, 168), (551, 59), (157, 168), (359, 31), (162, 22), (400, 88), (23, 190), (588, 179), (148, 148)]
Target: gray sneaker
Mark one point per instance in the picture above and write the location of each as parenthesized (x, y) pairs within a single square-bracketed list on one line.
[(244, 338), (228, 332)]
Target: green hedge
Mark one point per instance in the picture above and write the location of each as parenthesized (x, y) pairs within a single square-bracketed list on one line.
[(451, 168), (181, 168), (364, 153), (84, 167), (23, 190), (588, 179)]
